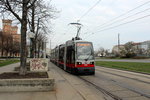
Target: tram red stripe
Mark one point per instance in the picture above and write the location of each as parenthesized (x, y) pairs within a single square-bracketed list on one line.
[(70, 65), (61, 62), (85, 65)]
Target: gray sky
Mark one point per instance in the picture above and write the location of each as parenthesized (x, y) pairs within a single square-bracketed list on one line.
[(103, 12), (97, 26)]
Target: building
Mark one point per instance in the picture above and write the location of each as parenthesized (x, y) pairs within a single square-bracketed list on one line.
[(145, 45), (9, 37), (11, 30), (143, 48), (7, 26)]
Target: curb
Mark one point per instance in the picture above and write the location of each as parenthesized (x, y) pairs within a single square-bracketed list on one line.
[(22, 85)]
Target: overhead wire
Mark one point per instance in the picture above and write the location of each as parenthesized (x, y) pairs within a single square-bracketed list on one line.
[(61, 37), (110, 22), (89, 10), (125, 23), (121, 24), (120, 20), (125, 13)]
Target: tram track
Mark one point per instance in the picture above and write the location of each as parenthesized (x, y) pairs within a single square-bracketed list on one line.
[(102, 75), (127, 86), (102, 90), (124, 76), (107, 95), (129, 72), (110, 93)]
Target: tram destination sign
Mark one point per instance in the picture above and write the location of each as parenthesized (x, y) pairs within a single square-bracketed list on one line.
[(83, 44)]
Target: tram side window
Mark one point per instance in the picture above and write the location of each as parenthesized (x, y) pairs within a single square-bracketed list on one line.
[(73, 56), (61, 54), (68, 55)]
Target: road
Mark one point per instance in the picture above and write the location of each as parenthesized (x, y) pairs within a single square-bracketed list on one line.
[(108, 84), (126, 60), (121, 84)]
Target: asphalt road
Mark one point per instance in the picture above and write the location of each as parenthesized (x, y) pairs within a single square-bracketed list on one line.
[(122, 85), (106, 84), (126, 60)]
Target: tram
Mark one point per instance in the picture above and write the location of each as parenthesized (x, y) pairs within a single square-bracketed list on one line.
[(75, 56)]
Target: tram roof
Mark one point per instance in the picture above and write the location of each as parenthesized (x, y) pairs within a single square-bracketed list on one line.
[(77, 41)]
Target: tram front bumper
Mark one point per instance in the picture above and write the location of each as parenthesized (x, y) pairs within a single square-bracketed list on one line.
[(86, 70)]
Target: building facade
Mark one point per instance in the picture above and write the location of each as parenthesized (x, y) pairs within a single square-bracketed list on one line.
[(142, 48), (9, 39), (11, 30)]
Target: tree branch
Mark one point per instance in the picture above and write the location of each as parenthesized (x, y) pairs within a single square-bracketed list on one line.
[(10, 9), (32, 4)]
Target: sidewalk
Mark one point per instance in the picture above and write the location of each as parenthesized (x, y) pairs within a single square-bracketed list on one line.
[(67, 87), (9, 68), (24, 95)]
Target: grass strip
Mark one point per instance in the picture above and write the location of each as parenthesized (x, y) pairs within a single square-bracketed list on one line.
[(130, 66), (7, 62)]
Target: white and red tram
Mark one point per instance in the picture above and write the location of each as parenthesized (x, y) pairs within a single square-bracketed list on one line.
[(75, 56)]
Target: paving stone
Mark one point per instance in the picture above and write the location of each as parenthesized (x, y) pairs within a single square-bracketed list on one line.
[(28, 96)]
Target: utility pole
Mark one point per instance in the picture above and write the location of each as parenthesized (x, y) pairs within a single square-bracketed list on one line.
[(50, 47), (118, 42)]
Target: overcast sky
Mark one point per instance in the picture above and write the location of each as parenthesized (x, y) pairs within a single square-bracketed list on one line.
[(97, 24), (103, 12)]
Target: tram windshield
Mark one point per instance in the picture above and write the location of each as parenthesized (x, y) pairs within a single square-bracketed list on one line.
[(85, 51)]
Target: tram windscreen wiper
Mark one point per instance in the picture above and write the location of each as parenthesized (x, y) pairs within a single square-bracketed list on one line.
[(89, 55), (87, 58)]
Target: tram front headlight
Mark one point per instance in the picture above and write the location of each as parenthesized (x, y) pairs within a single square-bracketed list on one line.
[(92, 63), (79, 63)]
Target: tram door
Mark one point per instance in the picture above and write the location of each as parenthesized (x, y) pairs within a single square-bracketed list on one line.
[(70, 58), (61, 57)]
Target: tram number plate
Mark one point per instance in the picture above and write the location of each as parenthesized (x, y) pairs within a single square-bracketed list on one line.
[(85, 64)]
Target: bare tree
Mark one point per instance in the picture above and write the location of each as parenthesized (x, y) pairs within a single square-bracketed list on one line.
[(129, 50), (6, 41), (16, 48), (102, 52), (1, 42), (7, 44), (40, 15), (41, 40), (19, 9)]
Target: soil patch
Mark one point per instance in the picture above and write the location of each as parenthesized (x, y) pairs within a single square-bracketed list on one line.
[(14, 75)]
